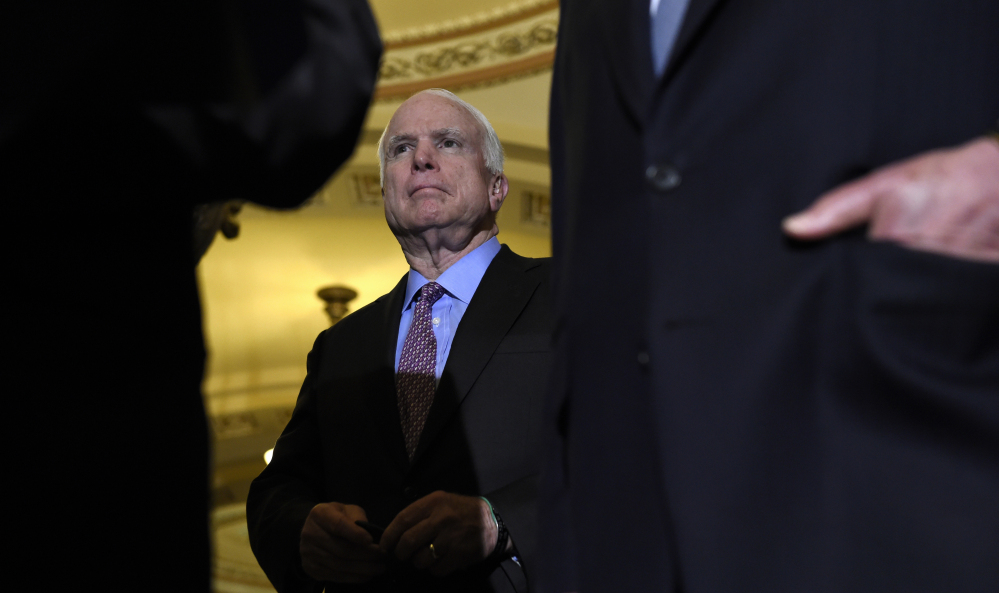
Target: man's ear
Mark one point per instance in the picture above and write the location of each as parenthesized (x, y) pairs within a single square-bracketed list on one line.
[(498, 189)]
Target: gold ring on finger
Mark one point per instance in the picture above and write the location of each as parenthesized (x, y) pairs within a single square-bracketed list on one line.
[(433, 552)]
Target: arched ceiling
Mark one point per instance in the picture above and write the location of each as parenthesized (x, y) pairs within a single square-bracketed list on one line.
[(261, 312)]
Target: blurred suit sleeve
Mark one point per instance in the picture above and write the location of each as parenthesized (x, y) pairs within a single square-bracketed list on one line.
[(301, 85), (251, 100)]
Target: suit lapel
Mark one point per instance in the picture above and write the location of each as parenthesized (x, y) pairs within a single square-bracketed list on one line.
[(627, 37), (502, 294), (695, 18), (627, 41), (382, 400)]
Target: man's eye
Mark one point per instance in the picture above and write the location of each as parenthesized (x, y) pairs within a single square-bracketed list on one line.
[(449, 144), (400, 149)]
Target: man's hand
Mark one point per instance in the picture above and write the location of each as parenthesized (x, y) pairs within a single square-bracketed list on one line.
[(946, 201), (335, 549), (461, 528)]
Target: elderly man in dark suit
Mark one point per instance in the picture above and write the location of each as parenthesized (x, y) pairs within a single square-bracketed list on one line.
[(781, 403), (420, 412)]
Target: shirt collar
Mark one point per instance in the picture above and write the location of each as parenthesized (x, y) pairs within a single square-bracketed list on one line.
[(462, 278)]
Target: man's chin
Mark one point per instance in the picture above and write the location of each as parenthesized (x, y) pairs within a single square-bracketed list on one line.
[(429, 212)]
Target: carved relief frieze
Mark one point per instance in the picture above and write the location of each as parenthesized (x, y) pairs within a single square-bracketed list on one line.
[(499, 16), (232, 425), (536, 208), (470, 53), (518, 48), (367, 190)]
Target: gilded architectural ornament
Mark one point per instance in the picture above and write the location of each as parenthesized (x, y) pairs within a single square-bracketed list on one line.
[(336, 299), (505, 51), (470, 53), (468, 24), (367, 190), (237, 424), (536, 208)]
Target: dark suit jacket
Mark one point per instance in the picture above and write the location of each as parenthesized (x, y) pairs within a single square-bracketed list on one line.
[(111, 130), (774, 416), (344, 441)]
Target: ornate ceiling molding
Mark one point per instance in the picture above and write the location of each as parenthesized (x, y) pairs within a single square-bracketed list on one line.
[(510, 46), (467, 25)]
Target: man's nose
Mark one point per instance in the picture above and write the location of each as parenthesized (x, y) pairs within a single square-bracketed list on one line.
[(425, 158)]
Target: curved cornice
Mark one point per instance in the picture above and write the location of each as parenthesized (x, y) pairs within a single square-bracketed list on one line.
[(467, 25), (517, 40)]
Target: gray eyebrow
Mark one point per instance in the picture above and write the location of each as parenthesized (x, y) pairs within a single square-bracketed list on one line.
[(397, 139), (448, 132), (439, 133)]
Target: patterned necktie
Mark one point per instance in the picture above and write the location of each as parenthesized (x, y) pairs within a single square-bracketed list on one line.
[(416, 381)]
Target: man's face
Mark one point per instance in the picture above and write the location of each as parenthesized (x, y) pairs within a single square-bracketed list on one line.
[(435, 174)]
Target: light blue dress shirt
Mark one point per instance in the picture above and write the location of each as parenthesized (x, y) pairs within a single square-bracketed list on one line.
[(459, 282), (665, 19)]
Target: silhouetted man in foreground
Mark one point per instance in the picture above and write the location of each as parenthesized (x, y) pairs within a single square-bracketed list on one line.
[(117, 118)]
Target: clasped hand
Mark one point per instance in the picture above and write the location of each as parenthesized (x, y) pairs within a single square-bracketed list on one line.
[(334, 548)]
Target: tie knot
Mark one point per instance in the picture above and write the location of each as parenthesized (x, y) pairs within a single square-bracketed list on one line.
[(431, 293)]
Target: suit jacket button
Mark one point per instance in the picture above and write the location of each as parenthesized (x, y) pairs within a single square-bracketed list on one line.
[(662, 177), (409, 492)]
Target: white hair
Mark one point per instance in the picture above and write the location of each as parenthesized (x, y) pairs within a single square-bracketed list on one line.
[(492, 150)]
